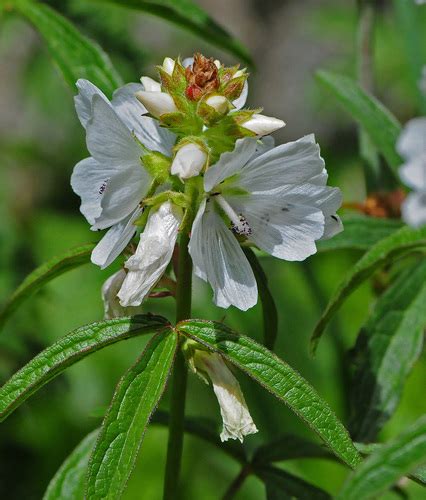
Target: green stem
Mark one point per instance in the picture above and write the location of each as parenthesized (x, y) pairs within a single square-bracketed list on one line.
[(180, 372)]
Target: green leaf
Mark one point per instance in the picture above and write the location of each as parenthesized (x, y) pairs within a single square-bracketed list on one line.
[(67, 351), (76, 56), (278, 378), (385, 251), (386, 350), (135, 399), (281, 485), (388, 464), (42, 275), (378, 122), (190, 16), (69, 481), (361, 232), (269, 309)]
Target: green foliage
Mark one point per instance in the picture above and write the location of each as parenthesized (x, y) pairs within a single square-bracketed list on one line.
[(386, 350), (42, 275), (190, 16), (401, 242), (135, 399), (378, 122), (76, 56), (389, 463), (67, 351), (69, 481), (278, 378)]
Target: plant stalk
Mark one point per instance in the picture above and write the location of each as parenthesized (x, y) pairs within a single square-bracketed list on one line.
[(236, 485), (180, 373)]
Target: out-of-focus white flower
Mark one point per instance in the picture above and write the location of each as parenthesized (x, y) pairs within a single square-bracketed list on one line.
[(112, 181), (152, 255), (275, 197), (219, 103), (150, 85), (112, 306), (420, 2), (157, 103), (422, 82), (169, 65), (237, 421), (263, 125), (189, 160), (411, 146)]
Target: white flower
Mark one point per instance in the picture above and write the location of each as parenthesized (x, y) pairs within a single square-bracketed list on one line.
[(411, 146), (237, 421), (152, 256), (276, 197), (150, 85), (189, 161), (169, 65), (157, 103), (112, 306), (112, 182), (219, 103), (263, 125)]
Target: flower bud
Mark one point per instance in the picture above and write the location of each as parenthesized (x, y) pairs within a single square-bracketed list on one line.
[(219, 103), (263, 125), (157, 103), (237, 421), (188, 161), (150, 85), (168, 65), (239, 73)]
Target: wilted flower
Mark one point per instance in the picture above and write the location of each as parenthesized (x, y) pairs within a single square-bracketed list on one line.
[(112, 306), (273, 197), (411, 146)]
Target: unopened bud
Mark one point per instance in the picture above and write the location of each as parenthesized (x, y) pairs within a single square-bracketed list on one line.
[(189, 161), (263, 125), (238, 73), (157, 103), (217, 63), (168, 65), (219, 103), (150, 85)]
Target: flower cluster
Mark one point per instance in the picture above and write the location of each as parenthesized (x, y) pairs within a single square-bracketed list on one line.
[(182, 154)]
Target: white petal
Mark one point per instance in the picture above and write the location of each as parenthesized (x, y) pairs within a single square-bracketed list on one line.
[(150, 85), (414, 209), (230, 163), (218, 259), (412, 140), (83, 100), (115, 241), (152, 256), (127, 106), (219, 103), (188, 61), (333, 225), (169, 65), (241, 100), (263, 125), (189, 161), (112, 306), (236, 418), (413, 173), (157, 103)]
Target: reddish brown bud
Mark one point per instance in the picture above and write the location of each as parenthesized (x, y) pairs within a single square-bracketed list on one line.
[(202, 77)]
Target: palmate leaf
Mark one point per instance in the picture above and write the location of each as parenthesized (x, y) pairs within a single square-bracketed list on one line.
[(386, 350), (76, 55), (384, 467), (43, 274), (385, 251), (378, 122), (135, 399), (278, 378), (69, 481), (190, 16), (70, 349)]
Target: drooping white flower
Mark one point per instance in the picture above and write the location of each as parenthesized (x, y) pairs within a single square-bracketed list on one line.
[(112, 306), (275, 197), (411, 146), (189, 161), (157, 103), (112, 181), (152, 256), (263, 125), (236, 418)]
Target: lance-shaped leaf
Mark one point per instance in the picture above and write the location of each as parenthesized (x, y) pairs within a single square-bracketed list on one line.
[(43, 274), (269, 309), (76, 55), (385, 251), (278, 378), (361, 233), (69, 481), (281, 485), (378, 122), (70, 349), (192, 17), (388, 464), (135, 399), (386, 350)]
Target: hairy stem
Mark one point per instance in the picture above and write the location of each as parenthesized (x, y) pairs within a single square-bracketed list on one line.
[(177, 402)]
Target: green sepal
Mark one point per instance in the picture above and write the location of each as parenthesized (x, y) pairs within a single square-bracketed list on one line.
[(207, 113), (182, 124), (176, 82), (179, 199), (158, 165), (234, 87)]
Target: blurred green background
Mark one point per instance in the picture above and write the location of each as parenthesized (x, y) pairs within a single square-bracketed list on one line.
[(40, 142)]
